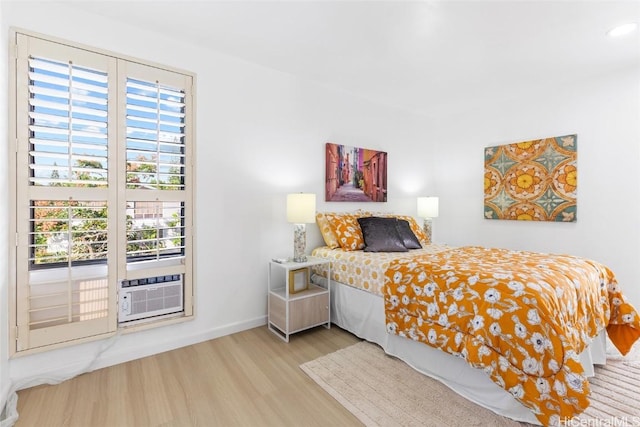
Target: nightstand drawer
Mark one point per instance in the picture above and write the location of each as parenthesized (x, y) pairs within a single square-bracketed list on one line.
[(307, 312), (278, 312)]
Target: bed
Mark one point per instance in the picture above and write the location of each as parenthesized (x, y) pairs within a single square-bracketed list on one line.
[(519, 341)]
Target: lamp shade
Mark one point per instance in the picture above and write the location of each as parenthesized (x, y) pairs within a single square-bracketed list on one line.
[(428, 207), (301, 208)]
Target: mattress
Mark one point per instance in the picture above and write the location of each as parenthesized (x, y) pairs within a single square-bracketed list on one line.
[(365, 270)]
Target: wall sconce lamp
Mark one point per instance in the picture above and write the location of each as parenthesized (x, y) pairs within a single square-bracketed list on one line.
[(301, 210), (428, 209)]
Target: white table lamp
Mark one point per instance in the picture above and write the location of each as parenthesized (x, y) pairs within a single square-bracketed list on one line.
[(428, 209), (301, 210)]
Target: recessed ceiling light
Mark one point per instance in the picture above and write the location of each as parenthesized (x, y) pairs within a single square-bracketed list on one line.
[(623, 29)]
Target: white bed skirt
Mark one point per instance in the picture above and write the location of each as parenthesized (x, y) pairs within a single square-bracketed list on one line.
[(362, 313)]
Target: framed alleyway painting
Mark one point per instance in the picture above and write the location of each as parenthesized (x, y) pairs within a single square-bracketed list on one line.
[(355, 174)]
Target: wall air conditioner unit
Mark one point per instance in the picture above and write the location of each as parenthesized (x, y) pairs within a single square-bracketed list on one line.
[(150, 297)]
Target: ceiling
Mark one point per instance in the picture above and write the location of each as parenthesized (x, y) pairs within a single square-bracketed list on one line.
[(430, 57)]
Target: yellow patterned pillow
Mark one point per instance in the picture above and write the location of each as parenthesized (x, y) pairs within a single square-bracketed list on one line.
[(347, 230), (328, 235)]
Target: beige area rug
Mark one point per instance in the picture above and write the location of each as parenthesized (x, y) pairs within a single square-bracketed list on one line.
[(387, 392)]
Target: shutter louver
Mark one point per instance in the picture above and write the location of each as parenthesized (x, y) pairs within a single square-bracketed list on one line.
[(156, 231), (68, 124), (155, 136), (64, 233)]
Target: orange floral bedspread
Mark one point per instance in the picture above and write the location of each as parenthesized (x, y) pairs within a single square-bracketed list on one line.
[(522, 317)]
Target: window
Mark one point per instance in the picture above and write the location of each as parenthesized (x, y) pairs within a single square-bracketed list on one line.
[(103, 186)]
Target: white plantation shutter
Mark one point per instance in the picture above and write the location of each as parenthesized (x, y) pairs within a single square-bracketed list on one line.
[(155, 142), (65, 208), (103, 180), (158, 188)]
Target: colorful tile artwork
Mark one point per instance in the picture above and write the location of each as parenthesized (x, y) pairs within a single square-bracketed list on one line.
[(532, 180)]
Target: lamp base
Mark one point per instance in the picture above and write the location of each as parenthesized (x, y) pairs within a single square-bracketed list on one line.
[(299, 243), (427, 229)]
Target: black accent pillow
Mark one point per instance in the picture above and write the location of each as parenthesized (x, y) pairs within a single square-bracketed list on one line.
[(409, 239), (381, 234)]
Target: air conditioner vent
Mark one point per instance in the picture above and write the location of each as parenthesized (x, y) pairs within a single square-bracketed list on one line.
[(150, 297)]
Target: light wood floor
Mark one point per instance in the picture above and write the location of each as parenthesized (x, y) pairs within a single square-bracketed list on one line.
[(250, 378)]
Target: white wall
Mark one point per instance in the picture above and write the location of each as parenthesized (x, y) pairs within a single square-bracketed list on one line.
[(605, 113), (260, 135)]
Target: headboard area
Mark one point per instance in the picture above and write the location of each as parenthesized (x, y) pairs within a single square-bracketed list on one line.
[(343, 229)]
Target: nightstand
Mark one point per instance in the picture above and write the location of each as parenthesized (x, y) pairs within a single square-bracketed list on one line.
[(290, 309)]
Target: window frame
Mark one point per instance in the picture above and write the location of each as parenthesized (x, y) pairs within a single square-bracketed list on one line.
[(118, 267)]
